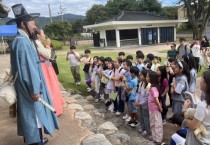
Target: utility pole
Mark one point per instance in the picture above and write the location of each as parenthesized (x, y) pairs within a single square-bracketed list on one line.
[(62, 11), (50, 13)]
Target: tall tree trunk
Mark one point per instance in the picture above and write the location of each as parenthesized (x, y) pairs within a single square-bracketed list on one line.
[(195, 30)]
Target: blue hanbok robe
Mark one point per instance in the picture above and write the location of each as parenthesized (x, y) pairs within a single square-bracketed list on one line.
[(30, 80)]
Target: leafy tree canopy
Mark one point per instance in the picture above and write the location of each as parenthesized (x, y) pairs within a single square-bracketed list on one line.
[(99, 13)]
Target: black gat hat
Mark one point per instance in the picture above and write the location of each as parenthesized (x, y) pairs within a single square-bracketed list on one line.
[(21, 14)]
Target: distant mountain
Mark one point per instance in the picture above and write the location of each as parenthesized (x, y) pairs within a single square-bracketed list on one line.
[(42, 21)]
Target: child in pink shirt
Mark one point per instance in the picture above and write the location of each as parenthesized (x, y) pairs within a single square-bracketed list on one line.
[(155, 108)]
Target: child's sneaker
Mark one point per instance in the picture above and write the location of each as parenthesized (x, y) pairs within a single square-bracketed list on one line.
[(102, 97), (130, 122), (128, 119), (164, 122), (125, 117), (118, 113), (111, 107), (108, 103), (144, 133), (89, 90), (135, 124), (78, 83), (96, 100)]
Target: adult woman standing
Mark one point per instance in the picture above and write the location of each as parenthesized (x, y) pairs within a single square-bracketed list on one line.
[(49, 45), (202, 114), (49, 73), (172, 53), (205, 45)]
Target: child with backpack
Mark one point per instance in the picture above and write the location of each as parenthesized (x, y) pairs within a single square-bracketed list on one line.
[(131, 87), (196, 52), (190, 61), (170, 70), (180, 86), (164, 88), (117, 78), (155, 108), (95, 79), (140, 61), (127, 76), (88, 61), (109, 85), (155, 64)]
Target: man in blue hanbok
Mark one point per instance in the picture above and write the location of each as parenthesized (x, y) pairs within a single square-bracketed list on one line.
[(32, 116)]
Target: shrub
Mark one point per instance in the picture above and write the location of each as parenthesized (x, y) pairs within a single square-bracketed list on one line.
[(57, 45)]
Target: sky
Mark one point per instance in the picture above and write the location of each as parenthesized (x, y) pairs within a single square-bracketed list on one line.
[(78, 7)]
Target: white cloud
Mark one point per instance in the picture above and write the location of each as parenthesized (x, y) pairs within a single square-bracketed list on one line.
[(78, 7)]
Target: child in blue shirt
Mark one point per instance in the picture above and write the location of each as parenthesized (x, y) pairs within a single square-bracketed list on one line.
[(131, 87), (127, 77), (179, 137)]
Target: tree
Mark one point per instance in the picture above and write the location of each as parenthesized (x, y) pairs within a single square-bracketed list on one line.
[(198, 12), (59, 29), (96, 14), (99, 13), (153, 6), (114, 7), (77, 26), (170, 12)]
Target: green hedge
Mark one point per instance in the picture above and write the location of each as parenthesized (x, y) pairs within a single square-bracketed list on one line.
[(57, 45)]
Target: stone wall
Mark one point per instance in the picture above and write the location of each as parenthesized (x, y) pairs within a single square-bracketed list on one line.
[(85, 42), (129, 42), (111, 43)]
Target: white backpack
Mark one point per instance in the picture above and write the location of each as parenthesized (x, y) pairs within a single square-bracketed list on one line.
[(7, 89)]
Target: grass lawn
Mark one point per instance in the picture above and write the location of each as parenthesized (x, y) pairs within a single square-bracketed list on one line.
[(164, 51)]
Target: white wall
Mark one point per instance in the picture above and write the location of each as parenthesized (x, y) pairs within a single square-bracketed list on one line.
[(103, 36)]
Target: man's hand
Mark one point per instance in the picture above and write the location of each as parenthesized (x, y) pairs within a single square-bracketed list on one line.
[(36, 97)]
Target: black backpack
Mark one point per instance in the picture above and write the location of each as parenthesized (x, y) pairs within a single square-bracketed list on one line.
[(87, 67)]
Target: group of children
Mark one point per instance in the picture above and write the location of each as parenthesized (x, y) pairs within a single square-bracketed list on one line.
[(138, 89)]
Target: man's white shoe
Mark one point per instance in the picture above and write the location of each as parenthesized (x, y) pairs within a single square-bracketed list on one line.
[(78, 83), (125, 117)]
